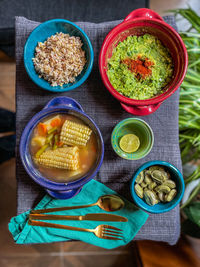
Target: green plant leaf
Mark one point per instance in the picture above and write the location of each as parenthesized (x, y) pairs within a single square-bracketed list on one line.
[(189, 107), (193, 212)]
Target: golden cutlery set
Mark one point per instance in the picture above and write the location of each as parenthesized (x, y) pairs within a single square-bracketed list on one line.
[(108, 202)]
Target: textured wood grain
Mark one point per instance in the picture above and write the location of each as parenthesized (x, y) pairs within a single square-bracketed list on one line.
[(157, 254), (7, 84)]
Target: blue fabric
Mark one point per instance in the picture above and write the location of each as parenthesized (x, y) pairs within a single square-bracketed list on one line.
[(23, 233)]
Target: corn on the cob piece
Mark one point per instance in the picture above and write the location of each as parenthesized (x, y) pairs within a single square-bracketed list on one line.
[(73, 133), (62, 158)]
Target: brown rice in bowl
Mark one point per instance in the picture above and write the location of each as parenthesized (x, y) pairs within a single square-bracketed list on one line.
[(60, 59)]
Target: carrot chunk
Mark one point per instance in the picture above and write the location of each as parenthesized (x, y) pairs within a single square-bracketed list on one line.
[(42, 129), (56, 122)]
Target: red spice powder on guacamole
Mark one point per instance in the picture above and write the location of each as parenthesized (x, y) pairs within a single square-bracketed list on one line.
[(141, 67)]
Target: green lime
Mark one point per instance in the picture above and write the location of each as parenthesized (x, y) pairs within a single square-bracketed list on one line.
[(129, 143)]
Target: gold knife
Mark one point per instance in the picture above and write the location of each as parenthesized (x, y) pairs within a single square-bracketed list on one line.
[(88, 217)]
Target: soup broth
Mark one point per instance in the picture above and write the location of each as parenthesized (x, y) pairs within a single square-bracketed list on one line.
[(58, 133)]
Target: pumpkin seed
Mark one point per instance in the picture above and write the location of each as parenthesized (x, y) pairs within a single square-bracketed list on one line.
[(156, 167), (140, 177), (139, 190), (152, 168), (171, 195), (143, 185), (171, 184), (150, 197), (147, 178), (155, 185), (157, 176), (165, 175), (161, 196), (163, 188), (152, 185)]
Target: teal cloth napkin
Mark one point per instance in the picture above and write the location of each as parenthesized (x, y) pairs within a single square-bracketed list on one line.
[(27, 234)]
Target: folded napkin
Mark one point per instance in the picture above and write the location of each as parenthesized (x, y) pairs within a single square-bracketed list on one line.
[(26, 234)]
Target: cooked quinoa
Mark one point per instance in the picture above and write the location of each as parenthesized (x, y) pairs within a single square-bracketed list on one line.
[(60, 59)]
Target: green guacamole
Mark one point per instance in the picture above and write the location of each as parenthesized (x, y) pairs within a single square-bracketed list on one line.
[(129, 83)]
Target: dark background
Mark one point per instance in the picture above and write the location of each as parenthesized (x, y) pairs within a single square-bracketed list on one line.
[(74, 10)]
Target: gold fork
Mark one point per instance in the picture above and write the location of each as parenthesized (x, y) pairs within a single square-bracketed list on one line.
[(101, 231)]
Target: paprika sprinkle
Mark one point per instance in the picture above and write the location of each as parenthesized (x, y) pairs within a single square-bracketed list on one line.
[(139, 66)]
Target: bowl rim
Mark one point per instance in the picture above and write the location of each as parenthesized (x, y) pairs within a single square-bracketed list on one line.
[(88, 70), (44, 182), (103, 73), (152, 163), (133, 119)]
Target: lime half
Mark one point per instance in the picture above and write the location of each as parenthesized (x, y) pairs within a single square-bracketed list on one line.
[(129, 143)]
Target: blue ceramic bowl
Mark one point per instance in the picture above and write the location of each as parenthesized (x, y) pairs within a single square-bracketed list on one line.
[(57, 105), (160, 207), (40, 34)]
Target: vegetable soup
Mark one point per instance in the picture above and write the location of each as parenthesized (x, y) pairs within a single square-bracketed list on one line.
[(63, 148)]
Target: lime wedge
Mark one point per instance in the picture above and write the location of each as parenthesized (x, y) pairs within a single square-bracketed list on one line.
[(129, 143)]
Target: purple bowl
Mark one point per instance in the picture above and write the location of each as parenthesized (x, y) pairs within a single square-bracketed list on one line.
[(59, 190)]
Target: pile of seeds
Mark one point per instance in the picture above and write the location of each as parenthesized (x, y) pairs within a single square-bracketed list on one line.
[(60, 59), (155, 185)]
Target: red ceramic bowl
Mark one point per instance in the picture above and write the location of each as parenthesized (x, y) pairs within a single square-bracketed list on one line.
[(139, 22)]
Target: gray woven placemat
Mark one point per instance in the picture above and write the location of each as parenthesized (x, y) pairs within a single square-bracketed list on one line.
[(107, 112)]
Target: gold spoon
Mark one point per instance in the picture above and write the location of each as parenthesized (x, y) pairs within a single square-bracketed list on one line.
[(107, 203)]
